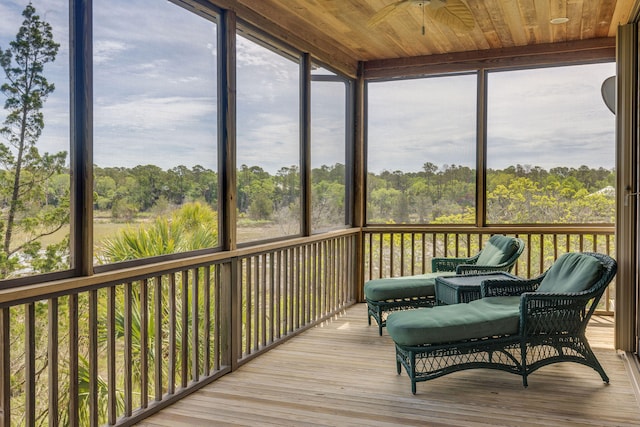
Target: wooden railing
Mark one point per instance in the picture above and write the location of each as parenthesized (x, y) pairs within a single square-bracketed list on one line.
[(285, 290), (115, 347), (401, 251)]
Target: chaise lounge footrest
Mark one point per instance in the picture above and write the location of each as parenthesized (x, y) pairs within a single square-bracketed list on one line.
[(384, 296)]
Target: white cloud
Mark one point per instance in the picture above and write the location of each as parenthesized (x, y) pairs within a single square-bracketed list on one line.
[(107, 50)]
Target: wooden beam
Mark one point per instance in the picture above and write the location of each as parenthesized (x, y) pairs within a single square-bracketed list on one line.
[(601, 49)]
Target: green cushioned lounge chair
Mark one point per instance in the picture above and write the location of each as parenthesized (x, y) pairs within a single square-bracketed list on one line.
[(517, 326), (386, 295)]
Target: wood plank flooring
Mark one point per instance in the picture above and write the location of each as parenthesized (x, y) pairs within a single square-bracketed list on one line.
[(343, 373)]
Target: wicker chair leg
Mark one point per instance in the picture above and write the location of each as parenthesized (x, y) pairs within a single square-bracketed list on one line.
[(593, 361), (379, 319), (523, 367), (413, 372)]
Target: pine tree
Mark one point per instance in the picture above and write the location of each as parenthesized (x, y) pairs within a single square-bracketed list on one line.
[(24, 172)]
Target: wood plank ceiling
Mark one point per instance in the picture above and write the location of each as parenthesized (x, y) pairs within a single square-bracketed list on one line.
[(337, 30)]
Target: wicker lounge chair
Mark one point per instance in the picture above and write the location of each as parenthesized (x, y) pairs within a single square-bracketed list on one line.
[(401, 293), (517, 326)]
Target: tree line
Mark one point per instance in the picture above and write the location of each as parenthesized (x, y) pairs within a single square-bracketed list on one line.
[(517, 194)]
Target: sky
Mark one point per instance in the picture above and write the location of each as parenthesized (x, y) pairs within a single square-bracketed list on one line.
[(532, 116), (155, 102)]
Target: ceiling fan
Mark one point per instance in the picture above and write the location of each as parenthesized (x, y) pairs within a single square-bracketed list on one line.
[(452, 13)]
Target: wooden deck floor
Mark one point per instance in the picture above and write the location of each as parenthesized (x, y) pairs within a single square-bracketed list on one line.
[(343, 374)]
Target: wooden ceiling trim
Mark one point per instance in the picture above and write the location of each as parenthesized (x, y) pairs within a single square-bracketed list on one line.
[(320, 48), (592, 50)]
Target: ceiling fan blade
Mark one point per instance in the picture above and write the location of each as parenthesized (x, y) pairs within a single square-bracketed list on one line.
[(454, 14), (387, 11)]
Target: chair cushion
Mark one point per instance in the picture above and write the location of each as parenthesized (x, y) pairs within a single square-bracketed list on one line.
[(497, 250), (420, 285), (441, 324), (572, 272)]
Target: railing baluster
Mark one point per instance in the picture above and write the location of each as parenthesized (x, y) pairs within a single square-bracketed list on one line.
[(392, 246), (529, 252), (402, 254), (128, 357), (281, 308), (184, 326), (423, 249), (256, 305), (381, 257), (52, 360), (74, 407), (248, 303), (217, 330), (369, 242), (93, 358), (286, 273), (30, 364), (272, 298), (144, 343), (157, 333), (334, 282), (541, 262), (195, 325), (111, 356), (5, 366), (433, 246), (206, 320), (304, 285), (171, 373), (263, 300), (313, 283)]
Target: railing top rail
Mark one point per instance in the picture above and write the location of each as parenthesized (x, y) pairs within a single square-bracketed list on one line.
[(38, 291), (290, 243), (493, 229)]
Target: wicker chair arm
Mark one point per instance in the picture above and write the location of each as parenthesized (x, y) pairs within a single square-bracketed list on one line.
[(545, 313), (495, 288), (449, 264), (479, 269)]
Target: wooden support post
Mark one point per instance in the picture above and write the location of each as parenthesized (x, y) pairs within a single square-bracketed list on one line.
[(229, 283), (305, 143), (359, 181)]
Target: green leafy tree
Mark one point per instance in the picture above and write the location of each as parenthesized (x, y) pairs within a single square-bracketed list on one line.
[(25, 171)]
